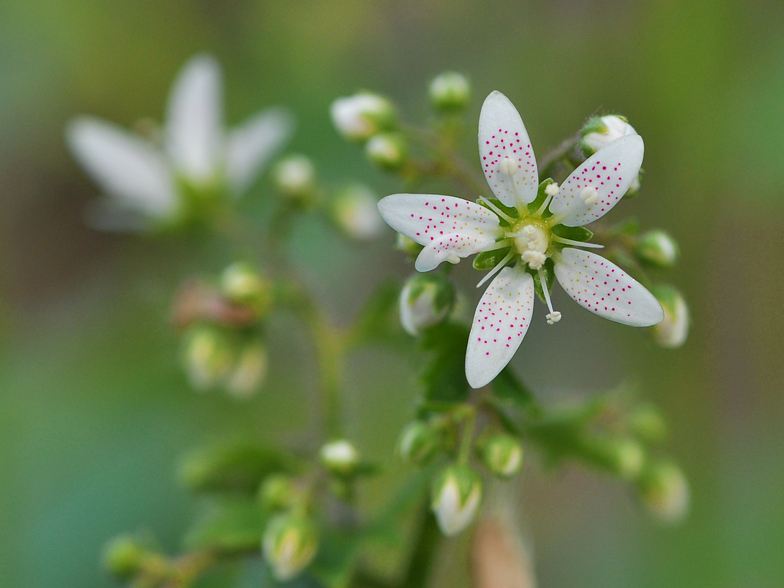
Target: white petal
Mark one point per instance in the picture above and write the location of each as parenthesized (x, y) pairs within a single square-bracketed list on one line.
[(502, 135), (604, 288), (425, 217), (124, 166), (611, 171), (251, 146), (451, 247), (194, 119), (501, 320)]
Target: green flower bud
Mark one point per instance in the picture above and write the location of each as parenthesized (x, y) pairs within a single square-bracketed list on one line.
[(658, 249), (455, 498), (665, 492), (387, 150), (362, 115), (123, 556), (503, 455), (623, 457), (290, 543), (449, 91), (249, 371), (674, 329), (407, 245), (295, 178), (647, 423), (339, 457), (426, 300), (277, 492), (242, 283), (207, 357), (419, 442), (600, 131), (355, 212)]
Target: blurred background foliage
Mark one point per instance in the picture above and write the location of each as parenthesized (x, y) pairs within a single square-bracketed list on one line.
[(94, 411)]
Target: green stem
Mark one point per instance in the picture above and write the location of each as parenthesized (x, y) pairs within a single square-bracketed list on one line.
[(466, 441), (560, 153), (427, 540)]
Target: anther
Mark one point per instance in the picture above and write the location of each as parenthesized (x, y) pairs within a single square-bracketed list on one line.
[(552, 189), (553, 317), (508, 167), (589, 195), (535, 259)]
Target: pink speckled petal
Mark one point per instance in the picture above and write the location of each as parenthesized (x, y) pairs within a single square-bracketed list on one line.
[(611, 171), (605, 289), (427, 217), (501, 135), (500, 323), (451, 247)]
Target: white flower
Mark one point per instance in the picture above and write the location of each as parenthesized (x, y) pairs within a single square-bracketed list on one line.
[(537, 238), (601, 131), (362, 115), (198, 155)]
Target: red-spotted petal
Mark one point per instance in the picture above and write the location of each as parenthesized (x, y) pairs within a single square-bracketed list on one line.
[(610, 171), (451, 247), (500, 323), (427, 217), (502, 136), (605, 289)]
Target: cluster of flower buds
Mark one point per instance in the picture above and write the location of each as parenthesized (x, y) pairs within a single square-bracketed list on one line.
[(223, 347), (426, 300)]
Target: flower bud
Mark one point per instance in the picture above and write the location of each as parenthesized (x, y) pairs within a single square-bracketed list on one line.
[(449, 91), (407, 245), (290, 542), (339, 457), (674, 329), (658, 249), (249, 371), (426, 300), (207, 357), (362, 115), (623, 457), (647, 423), (295, 178), (355, 211), (600, 131), (277, 492), (387, 150), (665, 492), (123, 556), (241, 283), (418, 442), (455, 498), (503, 455)]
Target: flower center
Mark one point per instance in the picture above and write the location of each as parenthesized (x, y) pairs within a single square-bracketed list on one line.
[(531, 241)]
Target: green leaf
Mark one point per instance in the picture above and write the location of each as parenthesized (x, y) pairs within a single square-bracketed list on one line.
[(548, 269), (507, 386), (487, 260), (230, 526), (541, 195), (236, 468), (336, 558), (444, 375), (573, 233)]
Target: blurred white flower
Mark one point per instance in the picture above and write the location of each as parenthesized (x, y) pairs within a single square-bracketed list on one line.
[(198, 156)]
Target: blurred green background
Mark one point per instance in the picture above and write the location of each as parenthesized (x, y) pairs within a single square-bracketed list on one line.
[(94, 410)]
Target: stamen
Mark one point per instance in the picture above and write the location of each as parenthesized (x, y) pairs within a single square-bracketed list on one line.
[(497, 268), (590, 195), (554, 316), (551, 190), (576, 243), (498, 245), (496, 210)]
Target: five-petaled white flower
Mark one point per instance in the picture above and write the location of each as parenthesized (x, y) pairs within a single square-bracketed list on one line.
[(197, 159), (534, 225)]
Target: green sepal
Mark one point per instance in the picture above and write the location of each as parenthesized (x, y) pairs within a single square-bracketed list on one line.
[(548, 269), (231, 526), (487, 260), (541, 195), (573, 233), (444, 375), (508, 210), (237, 468)]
